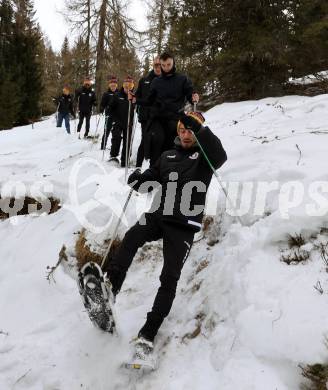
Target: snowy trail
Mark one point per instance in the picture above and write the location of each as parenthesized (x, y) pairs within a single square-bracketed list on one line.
[(241, 319)]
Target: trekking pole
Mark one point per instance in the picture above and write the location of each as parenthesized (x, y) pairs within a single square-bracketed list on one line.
[(78, 110), (94, 136), (105, 138), (97, 121), (57, 114), (116, 228), (127, 142), (217, 178), (133, 133)]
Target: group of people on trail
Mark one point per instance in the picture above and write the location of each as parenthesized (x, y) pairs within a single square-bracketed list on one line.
[(182, 154), (84, 99), (158, 99)]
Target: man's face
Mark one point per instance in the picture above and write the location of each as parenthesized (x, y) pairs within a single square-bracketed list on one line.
[(112, 86), (66, 91), (157, 66), (186, 137), (87, 83), (128, 86), (167, 65)]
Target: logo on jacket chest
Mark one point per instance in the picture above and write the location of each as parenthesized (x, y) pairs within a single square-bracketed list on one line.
[(194, 156)]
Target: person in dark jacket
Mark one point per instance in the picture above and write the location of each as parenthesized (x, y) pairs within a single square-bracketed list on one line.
[(167, 97), (104, 107), (142, 92), (119, 108), (64, 108), (86, 100), (183, 176)]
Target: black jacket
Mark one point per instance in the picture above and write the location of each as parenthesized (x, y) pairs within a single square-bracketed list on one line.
[(182, 166), (168, 95), (65, 104), (86, 99), (142, 92), (119, 108), (105, 100)]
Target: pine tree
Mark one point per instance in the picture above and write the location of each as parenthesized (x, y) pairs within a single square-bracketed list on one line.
[(79, 62), (146, 66), (158, 21), (195, 39), (253, 62), (50, 78), (28, 40), (309, 44), (119, 54), (237, 49), (66, 64), (9, 91), (82, 16), (100, 62), (121, 59)]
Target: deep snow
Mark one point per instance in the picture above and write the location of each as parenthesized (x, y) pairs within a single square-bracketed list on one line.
[(242, 319)]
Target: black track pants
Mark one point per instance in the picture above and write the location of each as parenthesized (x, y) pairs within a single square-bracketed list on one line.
[(107, 129), (141, 149), (87, 117), (177, 242), (160, 135), (116, 140)]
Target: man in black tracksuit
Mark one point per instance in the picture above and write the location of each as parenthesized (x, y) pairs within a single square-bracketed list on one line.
[(64, 108), (86, 100), (119, 108), (179, 215), (142, 92), (104, 106), (167, 97)]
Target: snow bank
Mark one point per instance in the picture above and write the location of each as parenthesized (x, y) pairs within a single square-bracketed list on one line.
[(242, 318)]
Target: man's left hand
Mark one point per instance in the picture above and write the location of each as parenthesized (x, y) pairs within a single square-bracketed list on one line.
[(190, 123)]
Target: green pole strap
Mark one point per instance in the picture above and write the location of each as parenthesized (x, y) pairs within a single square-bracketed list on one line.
[(217, 178)]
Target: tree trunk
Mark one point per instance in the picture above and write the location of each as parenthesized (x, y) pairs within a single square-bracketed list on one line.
[(101, 49), (161, 27), (88, 39)]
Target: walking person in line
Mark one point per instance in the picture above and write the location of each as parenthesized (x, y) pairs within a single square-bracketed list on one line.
[(167, 98), (142, 92), (86, 100), (64, 104), (104, 107), (119, 109)]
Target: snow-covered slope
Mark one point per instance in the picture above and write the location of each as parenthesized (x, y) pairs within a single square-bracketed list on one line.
[(242, 319)]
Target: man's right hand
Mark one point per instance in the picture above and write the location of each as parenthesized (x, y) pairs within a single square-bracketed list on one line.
[(134, 177)]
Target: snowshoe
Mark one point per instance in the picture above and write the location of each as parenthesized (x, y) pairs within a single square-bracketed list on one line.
[(97, 296), (114, 161), (144, 358)]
